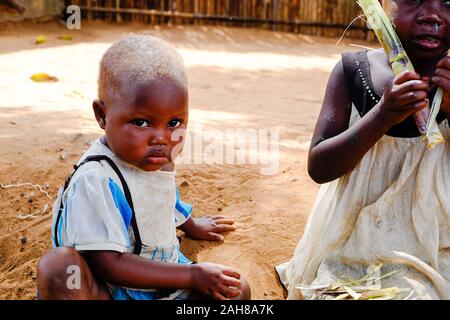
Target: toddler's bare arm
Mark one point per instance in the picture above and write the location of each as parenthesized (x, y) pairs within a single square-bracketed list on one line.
[(132, 271)]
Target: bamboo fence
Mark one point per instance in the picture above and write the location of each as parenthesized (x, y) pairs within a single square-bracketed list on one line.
[(313, 17)]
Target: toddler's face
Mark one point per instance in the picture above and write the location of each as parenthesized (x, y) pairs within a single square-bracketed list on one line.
[(140, 124), (423, 26)]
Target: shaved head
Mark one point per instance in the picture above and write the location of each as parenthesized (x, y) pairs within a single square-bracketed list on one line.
[(138, 60)]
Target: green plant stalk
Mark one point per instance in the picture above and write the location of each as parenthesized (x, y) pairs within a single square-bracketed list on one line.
[(435, 107)]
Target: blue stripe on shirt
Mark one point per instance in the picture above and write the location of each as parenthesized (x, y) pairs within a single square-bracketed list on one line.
[(182, 207), (121, 202)]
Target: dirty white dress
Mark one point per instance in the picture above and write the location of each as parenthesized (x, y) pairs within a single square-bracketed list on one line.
[(393, 208)]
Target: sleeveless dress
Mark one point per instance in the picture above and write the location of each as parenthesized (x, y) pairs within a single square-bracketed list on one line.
[(97, 217), (393, 208)]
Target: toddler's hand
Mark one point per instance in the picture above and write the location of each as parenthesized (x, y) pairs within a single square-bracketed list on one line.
[(216, 281), (442, 79), (209, 228), (403, 97)]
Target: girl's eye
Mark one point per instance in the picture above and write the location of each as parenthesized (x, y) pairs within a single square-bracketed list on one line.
[(175, 123), (141, 123), (414, 2)]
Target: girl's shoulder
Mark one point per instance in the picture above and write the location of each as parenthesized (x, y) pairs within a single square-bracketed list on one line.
[(374, 62), (366, 75), (358, 79)]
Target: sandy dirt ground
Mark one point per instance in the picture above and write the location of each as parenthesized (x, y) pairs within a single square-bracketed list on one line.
[(239, 79)]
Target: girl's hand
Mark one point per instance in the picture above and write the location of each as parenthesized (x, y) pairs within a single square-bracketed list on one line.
[(216, 281), (209, 228), (442, 79), (403, 97)]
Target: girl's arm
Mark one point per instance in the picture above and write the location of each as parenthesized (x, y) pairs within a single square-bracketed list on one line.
[(133, 271), (335, 148)]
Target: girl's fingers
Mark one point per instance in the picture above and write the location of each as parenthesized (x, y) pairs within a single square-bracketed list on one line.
[(218, 217), (413, 85), (406, 76), (417, 106), (444, 63), (412, 97), (224, 228), (445, 85), (442, 83), (443, 73)]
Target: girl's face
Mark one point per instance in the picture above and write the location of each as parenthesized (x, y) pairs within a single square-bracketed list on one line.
[(423, 27), (143, 126)]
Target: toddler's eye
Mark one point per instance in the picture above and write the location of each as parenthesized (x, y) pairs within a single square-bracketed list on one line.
[(174, 123), (141, 123)]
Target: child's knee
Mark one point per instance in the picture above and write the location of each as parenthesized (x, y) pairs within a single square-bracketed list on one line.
[(58, 259), (245, 290), (54, 269)]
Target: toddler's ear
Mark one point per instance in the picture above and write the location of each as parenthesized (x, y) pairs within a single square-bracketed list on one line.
[(99, 111)]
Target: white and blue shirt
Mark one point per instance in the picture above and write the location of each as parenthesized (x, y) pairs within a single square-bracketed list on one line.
[(96, 215)]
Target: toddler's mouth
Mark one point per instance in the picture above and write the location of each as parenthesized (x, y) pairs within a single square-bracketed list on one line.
[(157, 156)]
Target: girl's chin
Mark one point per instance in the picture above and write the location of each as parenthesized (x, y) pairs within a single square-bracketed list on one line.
[(422, 53)]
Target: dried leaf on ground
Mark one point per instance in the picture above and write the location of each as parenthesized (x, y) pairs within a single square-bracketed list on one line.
[(43, 77), (40, 39)]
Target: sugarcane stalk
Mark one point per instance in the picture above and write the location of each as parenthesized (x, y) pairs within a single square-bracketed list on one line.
[(435, 107), (354, 289)]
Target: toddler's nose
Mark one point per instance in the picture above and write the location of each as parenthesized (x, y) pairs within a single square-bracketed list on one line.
[(159, 137)]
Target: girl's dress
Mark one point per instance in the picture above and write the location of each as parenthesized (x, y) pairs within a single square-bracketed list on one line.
[(97, 216), (393, 208)]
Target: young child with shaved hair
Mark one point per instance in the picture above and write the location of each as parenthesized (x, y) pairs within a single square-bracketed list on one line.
[(115, 220)]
